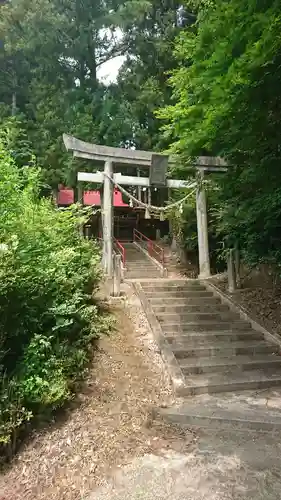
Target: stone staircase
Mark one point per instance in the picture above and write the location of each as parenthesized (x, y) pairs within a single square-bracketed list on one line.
[(139, 265), (214, 349)]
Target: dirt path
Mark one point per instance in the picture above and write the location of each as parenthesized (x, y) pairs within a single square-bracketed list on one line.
[(109, 425)]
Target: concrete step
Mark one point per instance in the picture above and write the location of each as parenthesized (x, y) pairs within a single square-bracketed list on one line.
[(212, 338), (131, 252), (135, 255), (174, 267), (142, 275), (222, 413), (179, 309), (178, 294), (210, 383), (175, 283), (145, 270), (143, 262), (268, 363), (186, 317), (165, 287), (171, 302), (183, 349), (203, 326), (141, 266)]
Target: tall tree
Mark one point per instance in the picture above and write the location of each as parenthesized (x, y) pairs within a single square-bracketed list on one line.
[(150, 28), (227, 102), (52, 49), (52, 52)]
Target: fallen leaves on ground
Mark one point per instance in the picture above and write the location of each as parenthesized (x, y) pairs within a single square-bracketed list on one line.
[(262, 303), (110, 423)]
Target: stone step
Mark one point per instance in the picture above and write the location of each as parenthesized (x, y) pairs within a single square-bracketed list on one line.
[(174, 283), (179, 309), (268, 363), (186, 317), (183, 310), (135, 255), (174, 267), (141, 267), (205, 326), (164, 287), (147, 273), (228, 416), (142, 275), (131, 252), (212, 338), (210, 383), (143, 262), (183, 349), (171, 302), (178, 294)]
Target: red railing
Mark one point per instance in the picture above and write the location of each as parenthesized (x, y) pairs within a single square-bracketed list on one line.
[(153, 249), (121, 250)]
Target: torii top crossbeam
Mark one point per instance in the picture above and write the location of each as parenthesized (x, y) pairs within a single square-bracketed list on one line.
[(121, 156)]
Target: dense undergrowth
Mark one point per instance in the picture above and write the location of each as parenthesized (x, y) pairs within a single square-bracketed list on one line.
[(48, 318)]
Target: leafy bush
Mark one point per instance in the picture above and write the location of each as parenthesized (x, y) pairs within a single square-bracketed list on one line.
[(48, 319)]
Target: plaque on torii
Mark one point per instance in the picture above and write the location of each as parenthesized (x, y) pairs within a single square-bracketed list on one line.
[(158, 170)]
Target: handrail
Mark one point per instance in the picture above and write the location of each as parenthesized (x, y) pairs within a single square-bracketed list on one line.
[(121, 250), (153, 249)]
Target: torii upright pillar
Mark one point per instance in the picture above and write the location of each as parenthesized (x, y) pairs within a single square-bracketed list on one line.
[(107, 219), (202, 230)]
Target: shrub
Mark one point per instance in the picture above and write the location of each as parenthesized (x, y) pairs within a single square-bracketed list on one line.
[(48, 318)]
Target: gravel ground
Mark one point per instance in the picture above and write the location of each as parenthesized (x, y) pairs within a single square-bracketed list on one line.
[(107, 426)]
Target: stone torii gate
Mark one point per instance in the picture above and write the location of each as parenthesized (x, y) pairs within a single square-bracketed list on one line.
[(109, 156)]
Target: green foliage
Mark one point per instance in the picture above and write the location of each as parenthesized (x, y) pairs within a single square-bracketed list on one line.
[(227, 102), (52, 53), (149, 33), (48, 319), (14, 136)]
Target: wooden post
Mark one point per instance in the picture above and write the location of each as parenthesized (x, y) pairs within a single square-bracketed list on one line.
[(171, 233), (107, 219), (149, 196), (87, 231), (117, 275), (202, 229), (139, 187), (146, 196), (231, 271), (122, 272)]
